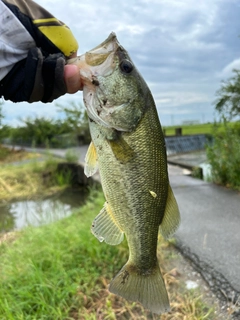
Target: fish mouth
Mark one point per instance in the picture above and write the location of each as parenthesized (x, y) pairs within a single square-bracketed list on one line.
[(100, 53), (94, 61), (99, 62), (93, 65)]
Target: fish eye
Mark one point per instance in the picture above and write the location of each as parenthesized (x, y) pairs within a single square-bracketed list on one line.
[(126, 66)]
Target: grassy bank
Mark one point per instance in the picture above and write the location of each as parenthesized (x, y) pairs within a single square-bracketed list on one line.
[(30, 180), (205, 128), (61, 271), (8, 155)]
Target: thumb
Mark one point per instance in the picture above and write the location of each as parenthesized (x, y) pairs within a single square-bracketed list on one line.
[(72, 78)]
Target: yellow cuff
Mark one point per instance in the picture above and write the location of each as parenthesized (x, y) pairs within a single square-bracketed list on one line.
[(61, 37)]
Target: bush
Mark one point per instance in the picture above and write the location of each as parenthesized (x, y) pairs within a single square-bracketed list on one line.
[(224, 154)]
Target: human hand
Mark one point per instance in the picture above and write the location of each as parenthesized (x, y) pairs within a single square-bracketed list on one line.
[(39, 71)]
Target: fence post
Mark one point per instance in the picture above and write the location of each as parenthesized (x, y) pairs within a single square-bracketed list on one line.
[(178, 131)]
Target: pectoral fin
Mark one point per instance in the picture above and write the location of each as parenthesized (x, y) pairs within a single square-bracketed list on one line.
[(121, 150), (104, 227), (91, 163), (171, 218)]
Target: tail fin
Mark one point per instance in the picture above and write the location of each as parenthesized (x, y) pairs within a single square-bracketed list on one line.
[(148, 288)]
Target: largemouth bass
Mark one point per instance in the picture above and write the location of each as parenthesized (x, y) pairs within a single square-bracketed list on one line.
[(128, 148)]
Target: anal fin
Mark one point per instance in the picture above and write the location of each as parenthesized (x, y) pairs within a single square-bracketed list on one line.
[(104, 227), (171, 218), (91, 163)]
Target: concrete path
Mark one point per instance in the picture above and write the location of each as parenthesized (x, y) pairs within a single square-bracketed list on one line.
[(188, 160), (209, 234)]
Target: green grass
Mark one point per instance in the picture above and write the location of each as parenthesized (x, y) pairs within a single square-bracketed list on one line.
[(206, 128), (47, 271), (190, 129)]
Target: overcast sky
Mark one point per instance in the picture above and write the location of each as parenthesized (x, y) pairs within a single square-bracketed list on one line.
[(183, 49)]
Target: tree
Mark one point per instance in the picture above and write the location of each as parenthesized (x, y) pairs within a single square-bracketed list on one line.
[(228, 101), (76, 118), (39, 129)]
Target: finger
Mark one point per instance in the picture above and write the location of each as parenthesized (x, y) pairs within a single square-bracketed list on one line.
[(72, 78)]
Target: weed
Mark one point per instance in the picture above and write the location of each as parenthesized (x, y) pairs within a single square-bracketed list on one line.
[(71, 156), (224, 155), (63, 178)]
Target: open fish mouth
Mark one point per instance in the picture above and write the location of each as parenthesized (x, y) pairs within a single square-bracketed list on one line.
[(96, 59), (99, 54)]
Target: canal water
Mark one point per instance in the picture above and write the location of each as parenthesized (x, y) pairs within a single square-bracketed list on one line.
[(17, 215)]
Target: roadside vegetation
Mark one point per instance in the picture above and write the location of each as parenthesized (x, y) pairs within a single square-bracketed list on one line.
[(61, 271), (224, 153)]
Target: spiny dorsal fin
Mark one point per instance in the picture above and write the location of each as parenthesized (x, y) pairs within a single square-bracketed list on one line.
[(91, 163), (171, 218), (104, 227)]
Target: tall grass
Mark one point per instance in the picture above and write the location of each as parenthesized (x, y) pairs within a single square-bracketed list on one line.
[(46, 271), (224, 154)]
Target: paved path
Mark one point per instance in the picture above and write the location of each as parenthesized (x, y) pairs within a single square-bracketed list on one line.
[(188, 160), (209, 233)]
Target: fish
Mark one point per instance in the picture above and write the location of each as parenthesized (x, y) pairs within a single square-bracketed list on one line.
[(128, 149)]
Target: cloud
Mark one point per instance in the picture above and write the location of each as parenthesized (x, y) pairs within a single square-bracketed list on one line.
[(227, 71)]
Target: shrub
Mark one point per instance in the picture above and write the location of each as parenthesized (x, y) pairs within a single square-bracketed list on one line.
[(224, 154)]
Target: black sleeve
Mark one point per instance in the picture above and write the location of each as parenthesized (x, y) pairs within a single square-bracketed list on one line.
[(40, 76)]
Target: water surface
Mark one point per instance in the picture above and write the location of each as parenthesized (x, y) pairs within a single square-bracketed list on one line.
[(17, 215)]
